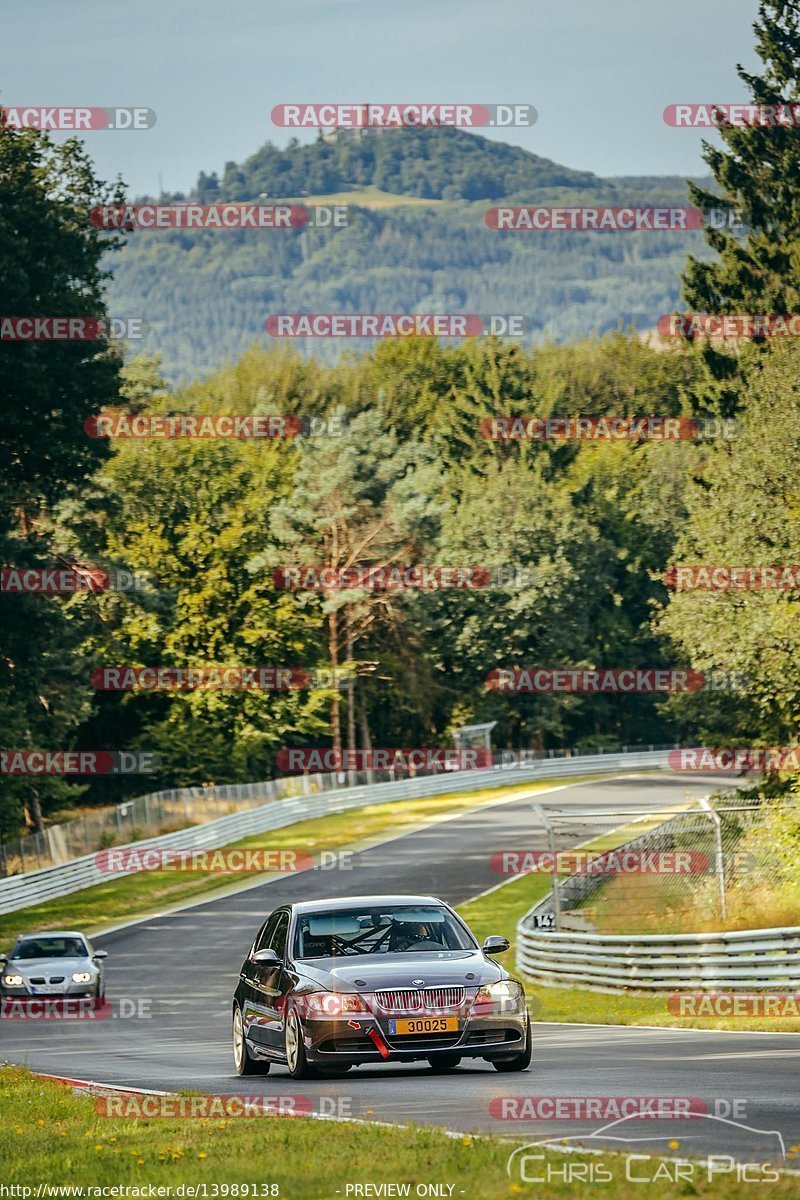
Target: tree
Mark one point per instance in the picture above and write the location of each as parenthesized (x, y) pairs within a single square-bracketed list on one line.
[(756, 172), (50, 255), (743, 511), (364, 499), (193, 515)]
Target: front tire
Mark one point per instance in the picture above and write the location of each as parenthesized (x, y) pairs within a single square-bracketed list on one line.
[(244, 1064), (294, 1048), (518, 1062)]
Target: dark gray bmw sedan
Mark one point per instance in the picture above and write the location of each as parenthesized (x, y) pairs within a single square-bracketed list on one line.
[(333, 983)]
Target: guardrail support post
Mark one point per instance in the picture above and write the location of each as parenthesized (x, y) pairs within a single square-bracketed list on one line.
[(719, 857), (551, 838)]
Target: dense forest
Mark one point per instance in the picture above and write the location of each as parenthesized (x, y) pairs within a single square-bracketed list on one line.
[(391, 465), (416, 241)]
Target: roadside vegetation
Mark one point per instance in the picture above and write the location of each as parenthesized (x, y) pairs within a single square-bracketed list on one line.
[(51, 1135)]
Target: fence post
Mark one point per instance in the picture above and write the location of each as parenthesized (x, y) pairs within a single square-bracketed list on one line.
[(719, 856), (551, 838)]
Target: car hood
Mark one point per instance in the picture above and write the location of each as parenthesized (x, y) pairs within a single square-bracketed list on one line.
[(51, 966), (363, 974)]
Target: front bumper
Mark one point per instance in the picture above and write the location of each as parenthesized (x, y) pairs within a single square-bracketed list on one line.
[(491, 1036), (48, 992)]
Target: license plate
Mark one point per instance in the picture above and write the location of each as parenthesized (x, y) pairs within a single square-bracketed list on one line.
[(424, 1025), (46, 989)]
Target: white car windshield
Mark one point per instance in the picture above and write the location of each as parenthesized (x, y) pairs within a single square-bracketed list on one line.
[(380, 930), (50, 947)]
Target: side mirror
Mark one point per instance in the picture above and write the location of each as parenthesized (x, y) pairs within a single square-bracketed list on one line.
[(100, 954), (3, 960), (266, 958), (495, 945)]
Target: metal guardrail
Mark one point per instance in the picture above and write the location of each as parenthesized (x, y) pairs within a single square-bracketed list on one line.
[(34, 887), (730, 962)]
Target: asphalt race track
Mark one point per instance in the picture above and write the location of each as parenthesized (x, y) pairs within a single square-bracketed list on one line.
[(186, 965)]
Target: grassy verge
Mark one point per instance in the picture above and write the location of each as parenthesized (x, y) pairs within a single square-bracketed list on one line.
[(49, 1135), (124, 898), (500, 910)]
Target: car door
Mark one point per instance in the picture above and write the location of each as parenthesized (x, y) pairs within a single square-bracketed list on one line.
[(253, 1016)]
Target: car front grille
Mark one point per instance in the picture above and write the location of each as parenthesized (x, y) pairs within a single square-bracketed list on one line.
[(417, 1000)]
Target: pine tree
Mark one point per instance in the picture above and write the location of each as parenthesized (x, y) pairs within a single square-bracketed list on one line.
[(758, 173)]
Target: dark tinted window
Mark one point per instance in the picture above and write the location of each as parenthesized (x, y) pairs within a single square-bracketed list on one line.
[(50, 947), (278, 940), (416, 929), (263, 939)]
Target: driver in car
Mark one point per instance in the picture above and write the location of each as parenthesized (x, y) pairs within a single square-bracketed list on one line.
[(407, 936)]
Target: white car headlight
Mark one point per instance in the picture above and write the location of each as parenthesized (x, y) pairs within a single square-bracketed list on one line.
[(13, 980), (82, 977)]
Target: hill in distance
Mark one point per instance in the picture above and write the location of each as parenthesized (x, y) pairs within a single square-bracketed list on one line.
[(416, 241)]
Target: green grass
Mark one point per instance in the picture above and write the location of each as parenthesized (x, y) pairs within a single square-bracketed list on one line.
[(50, 1135), (124, 898)]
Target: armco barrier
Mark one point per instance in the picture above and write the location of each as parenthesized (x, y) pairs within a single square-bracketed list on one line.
[(729, 962), (33, 887)]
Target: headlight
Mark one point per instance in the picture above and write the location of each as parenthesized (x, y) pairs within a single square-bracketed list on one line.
[(505, 996), (13, 980), (332, 1005), (82, 977)]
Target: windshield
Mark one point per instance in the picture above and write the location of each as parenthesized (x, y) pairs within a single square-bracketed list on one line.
[(394, 930), (50, 947)]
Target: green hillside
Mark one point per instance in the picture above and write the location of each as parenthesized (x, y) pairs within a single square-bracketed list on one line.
[(206, 294)]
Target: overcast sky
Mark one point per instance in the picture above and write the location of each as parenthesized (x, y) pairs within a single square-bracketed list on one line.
[(599, 72)]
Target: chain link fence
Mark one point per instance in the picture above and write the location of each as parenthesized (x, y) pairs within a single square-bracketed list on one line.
[(697, 866)]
